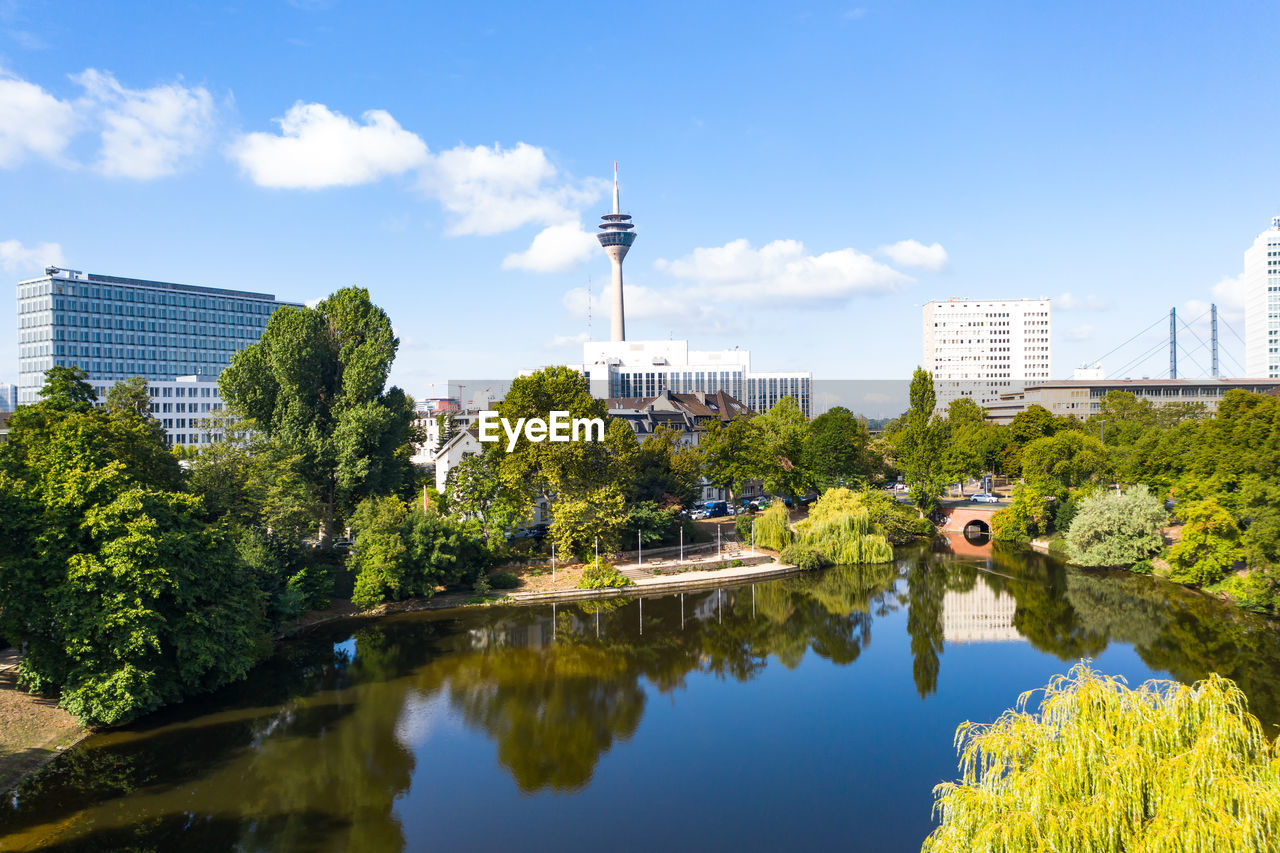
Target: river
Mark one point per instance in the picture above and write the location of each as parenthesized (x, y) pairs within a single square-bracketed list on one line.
[(816, 711)]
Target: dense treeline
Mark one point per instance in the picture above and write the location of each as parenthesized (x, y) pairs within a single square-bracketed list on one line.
[(1110, 484), (131, 581)]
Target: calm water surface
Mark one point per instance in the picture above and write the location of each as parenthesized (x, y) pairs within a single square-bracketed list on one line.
[(816, 711)]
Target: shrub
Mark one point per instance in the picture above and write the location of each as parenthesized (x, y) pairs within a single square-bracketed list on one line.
[(481, 585), (308, 589), (1104, 767), (801, 556), (601, 575), (503, 580), (742, 526), (899, 523), (1142, 567), (1027, 516), (733, 564), (1116, 528), (1253, 590), (402, 552)]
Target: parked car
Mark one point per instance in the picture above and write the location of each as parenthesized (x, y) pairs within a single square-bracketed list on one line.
[(717, 509), (537, 532), (986, 498)]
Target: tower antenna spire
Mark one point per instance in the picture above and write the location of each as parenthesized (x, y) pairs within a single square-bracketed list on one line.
[(616, 236)]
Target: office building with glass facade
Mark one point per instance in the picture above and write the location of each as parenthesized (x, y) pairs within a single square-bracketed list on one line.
[(116, 328), (648, 368)]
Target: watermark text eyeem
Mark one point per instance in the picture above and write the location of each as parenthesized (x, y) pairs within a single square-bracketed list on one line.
[(558, 427)]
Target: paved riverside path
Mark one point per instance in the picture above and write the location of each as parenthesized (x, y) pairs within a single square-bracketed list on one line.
[(650, 584)]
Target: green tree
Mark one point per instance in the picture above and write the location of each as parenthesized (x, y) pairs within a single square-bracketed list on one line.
[(667, 471), (316, 385), (836, 449), (585, 482), (479, 498), (126, 598), (1102, 767), (780, 435), (1210, 544), (1028, 425), (921, 444), (730, 454), (1064, 460), (587, 518), (1116, 528)]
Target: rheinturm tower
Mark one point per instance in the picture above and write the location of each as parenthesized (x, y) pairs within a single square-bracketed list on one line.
[(616, 235)]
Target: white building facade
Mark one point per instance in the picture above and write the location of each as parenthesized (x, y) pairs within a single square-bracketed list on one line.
[(1262, 305), (648, 368), (980, 348)]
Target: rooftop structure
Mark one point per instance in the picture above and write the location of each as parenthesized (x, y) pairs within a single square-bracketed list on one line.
[(689, 414)]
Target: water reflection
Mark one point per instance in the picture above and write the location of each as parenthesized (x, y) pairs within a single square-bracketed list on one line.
[(316, 749)]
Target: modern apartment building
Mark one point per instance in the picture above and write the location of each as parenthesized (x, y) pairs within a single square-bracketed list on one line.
[(979, 348), (116, 328), (1262, 304)]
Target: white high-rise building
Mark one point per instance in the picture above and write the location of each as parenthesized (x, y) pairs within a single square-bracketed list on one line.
[(979, 348), (1262, 304)]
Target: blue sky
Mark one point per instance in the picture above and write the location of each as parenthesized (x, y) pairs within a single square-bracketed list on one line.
[(803, 176)]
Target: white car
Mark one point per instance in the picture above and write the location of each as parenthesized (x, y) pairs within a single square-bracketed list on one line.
[(985, 498)]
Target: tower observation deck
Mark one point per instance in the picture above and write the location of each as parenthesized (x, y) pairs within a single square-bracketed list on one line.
[(616, 236)]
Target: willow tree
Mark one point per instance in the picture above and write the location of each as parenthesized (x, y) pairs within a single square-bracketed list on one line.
[(839, 527), (1102, 767), (316, 385)]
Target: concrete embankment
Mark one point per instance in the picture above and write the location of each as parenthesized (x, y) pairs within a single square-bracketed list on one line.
[(663, 584)]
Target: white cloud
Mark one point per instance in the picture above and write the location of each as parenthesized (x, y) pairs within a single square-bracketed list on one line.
[(147, 133), (642, 303), (32, 122), (564, 341), (782, 272), (1070, 302), (912, 253), (490, 189), (1080, 333), (20, 260), (1229, 293), (319, 148), (557, 248)]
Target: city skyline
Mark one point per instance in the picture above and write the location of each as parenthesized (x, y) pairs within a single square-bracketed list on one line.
[(829, 195)]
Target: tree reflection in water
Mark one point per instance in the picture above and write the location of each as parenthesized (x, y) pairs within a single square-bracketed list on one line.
[(315, 749)]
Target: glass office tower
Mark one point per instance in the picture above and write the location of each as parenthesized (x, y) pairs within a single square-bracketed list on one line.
[(116, 328)]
